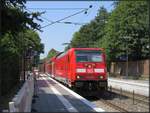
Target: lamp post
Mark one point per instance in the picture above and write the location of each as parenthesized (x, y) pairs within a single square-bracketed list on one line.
[(127, 61)]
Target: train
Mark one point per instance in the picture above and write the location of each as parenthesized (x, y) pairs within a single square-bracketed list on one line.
[(81, 68)]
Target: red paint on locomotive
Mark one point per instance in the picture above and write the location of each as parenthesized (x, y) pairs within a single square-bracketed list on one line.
[(48, 66), (80, 65)]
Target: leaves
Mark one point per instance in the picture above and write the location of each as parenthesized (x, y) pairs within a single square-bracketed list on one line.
[(52, 53), (128, 19), (90, 33), (125, 28), (20, 19), (17, 40)]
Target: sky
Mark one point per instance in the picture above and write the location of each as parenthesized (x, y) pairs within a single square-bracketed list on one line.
[(55, 35)]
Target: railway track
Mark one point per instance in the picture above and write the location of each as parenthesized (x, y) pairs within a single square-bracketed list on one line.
[(118, 108), (124, 101), (135, 97), (121, 101), (113, 106), (104, 100), (111, 101)]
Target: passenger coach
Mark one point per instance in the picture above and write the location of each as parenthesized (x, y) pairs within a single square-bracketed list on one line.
[(83, 68)]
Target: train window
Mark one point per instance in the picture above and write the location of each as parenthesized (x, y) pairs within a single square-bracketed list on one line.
[(88, 56), (96, 58), (82, 58)]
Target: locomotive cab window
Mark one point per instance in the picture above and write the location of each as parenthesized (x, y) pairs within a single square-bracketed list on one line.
[(88, 56), (81, 58)]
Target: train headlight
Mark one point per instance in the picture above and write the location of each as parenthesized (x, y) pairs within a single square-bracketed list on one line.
[(89, 66), (78, 76), (101, 77)]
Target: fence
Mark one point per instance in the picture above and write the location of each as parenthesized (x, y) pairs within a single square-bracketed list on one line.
[(23, 99), (139, 68)]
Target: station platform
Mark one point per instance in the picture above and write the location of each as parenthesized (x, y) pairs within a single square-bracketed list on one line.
[(140, 82), (140, 87), (55, 97)]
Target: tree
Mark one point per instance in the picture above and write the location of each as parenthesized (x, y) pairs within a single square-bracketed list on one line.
[(14, 10), (128, 25), (16, 36), (125, 29), (12, 53), (52, 53), (90, 33)]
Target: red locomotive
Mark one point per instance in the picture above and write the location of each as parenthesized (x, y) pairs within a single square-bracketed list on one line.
[(48, 66), (81, 68)]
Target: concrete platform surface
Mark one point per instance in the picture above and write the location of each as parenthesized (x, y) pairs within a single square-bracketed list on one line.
[(54, 97), (140, 82), (140, 87)]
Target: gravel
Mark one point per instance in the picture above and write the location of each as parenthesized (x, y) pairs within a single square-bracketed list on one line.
[(123, 102)]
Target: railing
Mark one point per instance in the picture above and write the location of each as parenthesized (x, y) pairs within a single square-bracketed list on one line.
[(23, 99)]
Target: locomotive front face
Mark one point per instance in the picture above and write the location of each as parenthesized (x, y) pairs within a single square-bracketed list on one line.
[(90, 68), (90, 65)]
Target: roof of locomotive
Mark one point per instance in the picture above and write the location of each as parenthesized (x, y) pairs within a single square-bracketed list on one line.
[(72, 49)]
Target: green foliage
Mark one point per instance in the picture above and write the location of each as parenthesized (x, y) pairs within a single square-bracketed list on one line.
[(89, 34), (17, 40), (124, 29), (127, 28), (52, 53), (12, 51), (14, 10), (31, 39)]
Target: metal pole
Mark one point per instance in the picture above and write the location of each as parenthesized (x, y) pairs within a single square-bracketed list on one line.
[(127, 62), (0, 56), (24, 68), (111, 88), (110, 91), (120, 94), (127, 59), (133, 96)]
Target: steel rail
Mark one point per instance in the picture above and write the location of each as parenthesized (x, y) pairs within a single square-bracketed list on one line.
[(137, 97), (113, 105)]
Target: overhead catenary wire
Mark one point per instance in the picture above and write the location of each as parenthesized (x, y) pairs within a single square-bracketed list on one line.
[(75, 23), (66, 22), (85, 10), (68, 44), (63, 18), (40, 16), (56, 8)]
